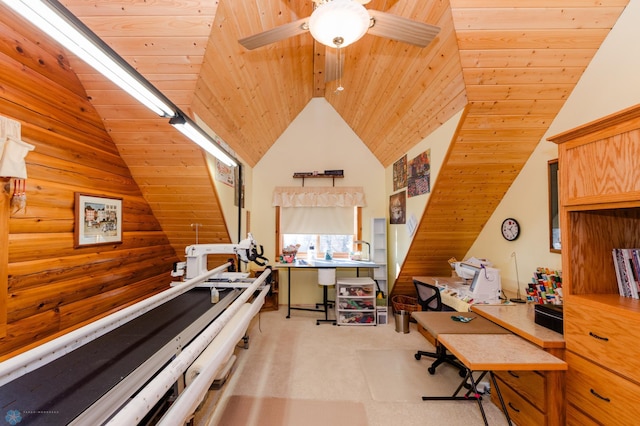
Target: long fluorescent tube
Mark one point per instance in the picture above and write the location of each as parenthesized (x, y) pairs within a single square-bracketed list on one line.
[(197, 135), (61, 25), (56, 21)]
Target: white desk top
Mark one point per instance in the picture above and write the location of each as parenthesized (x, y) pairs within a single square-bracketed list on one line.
[(336, 263), (495, 352)]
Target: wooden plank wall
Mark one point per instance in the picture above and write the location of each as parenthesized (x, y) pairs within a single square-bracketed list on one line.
[(50, 286)]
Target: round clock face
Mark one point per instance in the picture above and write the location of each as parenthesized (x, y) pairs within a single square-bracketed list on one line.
[(510, 229)]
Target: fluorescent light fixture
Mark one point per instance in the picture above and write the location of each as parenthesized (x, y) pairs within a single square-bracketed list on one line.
[(197, 135), (60, 24)]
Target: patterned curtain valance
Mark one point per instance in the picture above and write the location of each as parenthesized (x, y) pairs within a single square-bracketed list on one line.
[(296, 196)]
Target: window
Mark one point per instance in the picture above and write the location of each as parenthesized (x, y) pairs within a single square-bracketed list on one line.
[(340, 245), (554, 208), (329, 218), (324, 228)]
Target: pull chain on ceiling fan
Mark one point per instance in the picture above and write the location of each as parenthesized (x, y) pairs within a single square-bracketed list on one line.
[(338, 42)]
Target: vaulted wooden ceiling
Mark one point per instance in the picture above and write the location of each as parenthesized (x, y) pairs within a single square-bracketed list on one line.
[(510, 64)]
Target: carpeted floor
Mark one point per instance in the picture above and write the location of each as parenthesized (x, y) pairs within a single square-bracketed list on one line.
[(269, 411), (298, 373), (395, 375)]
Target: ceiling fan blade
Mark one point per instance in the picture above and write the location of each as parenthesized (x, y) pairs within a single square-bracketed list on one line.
[(331, 70), (275, 34), (402, 29)]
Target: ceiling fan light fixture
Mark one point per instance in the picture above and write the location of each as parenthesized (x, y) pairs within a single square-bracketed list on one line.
[(344, 20)]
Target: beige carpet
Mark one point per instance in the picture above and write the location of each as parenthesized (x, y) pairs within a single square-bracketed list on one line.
[(247, 410), (296, 372), (395, 375)]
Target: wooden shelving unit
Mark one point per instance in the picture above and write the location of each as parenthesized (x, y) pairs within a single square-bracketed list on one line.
[(600, 211)]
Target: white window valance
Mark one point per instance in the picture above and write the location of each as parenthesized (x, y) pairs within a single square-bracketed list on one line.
[(319, 196)]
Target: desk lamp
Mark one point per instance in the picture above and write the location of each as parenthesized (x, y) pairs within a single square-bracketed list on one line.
[(517, 299), (368, 246)]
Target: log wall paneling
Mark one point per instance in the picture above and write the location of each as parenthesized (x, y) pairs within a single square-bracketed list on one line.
[(47, 287)]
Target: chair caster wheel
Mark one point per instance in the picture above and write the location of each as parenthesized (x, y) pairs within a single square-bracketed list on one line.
[(417, 356), (431, 370)]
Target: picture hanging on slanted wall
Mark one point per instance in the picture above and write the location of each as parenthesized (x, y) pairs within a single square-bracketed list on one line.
[(225, 174), (400, 173), (419, 171), (98, 220), (398, 208)]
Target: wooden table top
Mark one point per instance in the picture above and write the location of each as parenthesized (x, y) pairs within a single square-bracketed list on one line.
[(520, 319), (495, 352)]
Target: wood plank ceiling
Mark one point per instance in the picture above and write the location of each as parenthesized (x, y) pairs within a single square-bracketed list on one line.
[(510, 64)]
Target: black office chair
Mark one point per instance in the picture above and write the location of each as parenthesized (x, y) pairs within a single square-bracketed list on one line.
[(429, 300)]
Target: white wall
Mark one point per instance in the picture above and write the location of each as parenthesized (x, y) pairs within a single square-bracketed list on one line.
[(318, 139)]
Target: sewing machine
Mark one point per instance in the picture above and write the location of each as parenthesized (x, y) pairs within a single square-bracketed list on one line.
[(196, 259), (485, 284)]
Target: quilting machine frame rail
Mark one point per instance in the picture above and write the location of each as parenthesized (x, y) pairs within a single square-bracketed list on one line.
[(236, 313)]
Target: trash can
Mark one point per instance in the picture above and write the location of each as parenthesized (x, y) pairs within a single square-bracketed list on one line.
[(402, 321)]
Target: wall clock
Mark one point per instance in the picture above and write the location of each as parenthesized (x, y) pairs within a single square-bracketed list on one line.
[(510, 229)]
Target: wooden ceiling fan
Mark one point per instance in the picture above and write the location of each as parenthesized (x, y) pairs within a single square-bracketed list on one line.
[(338, 23)]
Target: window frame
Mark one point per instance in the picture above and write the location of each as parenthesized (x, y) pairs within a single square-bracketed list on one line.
[(280, 239)]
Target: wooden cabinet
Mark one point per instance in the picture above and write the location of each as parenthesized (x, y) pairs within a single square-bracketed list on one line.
[(600, 210)]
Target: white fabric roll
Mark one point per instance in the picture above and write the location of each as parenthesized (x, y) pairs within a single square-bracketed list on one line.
[(225, 334)]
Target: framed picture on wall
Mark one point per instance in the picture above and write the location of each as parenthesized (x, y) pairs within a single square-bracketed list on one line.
[(98, 220), (400, 173), (398, 208)]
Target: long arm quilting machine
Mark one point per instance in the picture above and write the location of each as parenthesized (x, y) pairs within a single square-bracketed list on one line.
[(119, 368)]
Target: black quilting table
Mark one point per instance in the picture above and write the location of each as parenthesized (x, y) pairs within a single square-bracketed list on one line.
[(58, 392)]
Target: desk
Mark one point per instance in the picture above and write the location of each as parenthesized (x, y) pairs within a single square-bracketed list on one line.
[(538, 397), (533, 397), (495, 352), (436, 323), (319, 264)]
